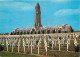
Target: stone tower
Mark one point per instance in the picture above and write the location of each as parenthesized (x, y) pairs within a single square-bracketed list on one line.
[(37, 21)]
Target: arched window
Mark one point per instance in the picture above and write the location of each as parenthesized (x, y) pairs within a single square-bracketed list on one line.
[(38, 32), (59, 31), (17, 33), (48, 31), (65, 31), (35, 32), (27, 32), (21, 33), (11, 33), (31, 32), (53, 31), (33, 29)]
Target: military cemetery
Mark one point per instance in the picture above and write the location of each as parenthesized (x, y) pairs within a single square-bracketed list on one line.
[(41, 41), (37, 44)]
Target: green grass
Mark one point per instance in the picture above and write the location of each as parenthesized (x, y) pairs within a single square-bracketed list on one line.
[(8, 54), (50, 54)]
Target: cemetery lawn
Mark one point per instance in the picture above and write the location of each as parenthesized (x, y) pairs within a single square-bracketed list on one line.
[(50, 54), (9, 54)]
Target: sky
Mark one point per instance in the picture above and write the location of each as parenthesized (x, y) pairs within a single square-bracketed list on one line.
[(20, 13)]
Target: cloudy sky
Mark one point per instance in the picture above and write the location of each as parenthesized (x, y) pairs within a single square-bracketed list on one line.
[(20, 13)]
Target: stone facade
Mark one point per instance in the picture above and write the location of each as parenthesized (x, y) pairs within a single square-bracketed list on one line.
[(39, 29)]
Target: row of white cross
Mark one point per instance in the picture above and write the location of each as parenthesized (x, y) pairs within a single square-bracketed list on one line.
[(12, 42)]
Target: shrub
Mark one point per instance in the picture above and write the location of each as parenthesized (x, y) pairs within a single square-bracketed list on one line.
[(44, 52), (42, 47), (76, 48), (21, 50), (61, 56), (1, 48), (28, 51)]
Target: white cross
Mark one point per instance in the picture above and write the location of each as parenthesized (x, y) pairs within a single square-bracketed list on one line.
[(52, 44), (63, 40), (59, 44), (55, 41), (7, 44), (18, 46), (40, 39), (45, 44), (24, 45), (38, 47), (12, 47), (6, 41), (76, 43), (44, 41), (31, 46), (67, 44), (75, 40), (46, 48)]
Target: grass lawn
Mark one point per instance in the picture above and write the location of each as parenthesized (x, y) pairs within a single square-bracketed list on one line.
[(8, 54), (50, 54)]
